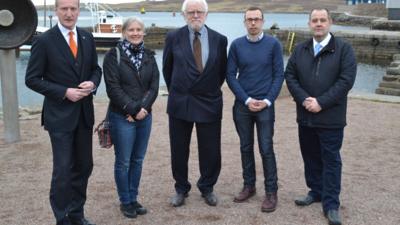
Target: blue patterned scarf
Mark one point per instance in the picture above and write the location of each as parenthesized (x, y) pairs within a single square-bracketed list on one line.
[(134, 52)]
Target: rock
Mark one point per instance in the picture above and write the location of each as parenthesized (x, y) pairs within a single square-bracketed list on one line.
[(396, 57), (393, 71)]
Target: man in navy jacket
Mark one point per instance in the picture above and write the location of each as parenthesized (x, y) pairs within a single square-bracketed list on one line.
[(258, 58), (194, 65), (320, 73)]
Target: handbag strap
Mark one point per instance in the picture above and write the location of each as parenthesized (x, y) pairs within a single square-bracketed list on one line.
[(118, 55), (108, 112)]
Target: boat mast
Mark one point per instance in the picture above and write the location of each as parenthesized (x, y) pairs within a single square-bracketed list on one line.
[(93, 7), (96, 9), (44, 15)]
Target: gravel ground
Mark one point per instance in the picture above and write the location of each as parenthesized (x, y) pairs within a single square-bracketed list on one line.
[(370, 187)]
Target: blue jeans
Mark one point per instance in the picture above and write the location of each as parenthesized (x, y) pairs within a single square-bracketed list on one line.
[(130, 144), (320, 148), (264, 120)]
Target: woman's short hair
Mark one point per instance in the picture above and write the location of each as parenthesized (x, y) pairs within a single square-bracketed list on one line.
[(129, 21)]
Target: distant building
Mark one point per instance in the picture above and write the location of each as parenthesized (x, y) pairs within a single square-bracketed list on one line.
[(356, 2), (393, 7)]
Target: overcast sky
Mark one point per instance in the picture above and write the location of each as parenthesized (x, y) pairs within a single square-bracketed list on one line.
[(51, 2)]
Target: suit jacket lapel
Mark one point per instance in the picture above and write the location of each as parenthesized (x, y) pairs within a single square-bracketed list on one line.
[(212, 50), (63, 48), (212, 53), (186, 47), (82, 39)]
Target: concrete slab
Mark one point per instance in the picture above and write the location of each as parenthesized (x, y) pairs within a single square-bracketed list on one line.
[(376, 97)]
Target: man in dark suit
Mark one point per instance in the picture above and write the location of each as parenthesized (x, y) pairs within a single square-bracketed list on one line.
[(63, 67), (194, 66), (319, 75)]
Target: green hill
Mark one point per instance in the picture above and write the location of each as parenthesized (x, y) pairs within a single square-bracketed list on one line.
[(235, 5)]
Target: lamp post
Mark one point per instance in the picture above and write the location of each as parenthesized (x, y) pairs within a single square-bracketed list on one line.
[(8, 76), (44, 15)]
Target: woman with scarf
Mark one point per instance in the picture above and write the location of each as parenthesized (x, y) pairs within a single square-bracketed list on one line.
[(132, 79)]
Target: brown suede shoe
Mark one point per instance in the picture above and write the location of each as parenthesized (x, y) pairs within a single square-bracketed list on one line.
[(245, 194), (269, 203)]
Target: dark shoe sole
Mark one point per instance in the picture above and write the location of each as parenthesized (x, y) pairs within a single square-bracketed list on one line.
[(330, 222), (305, 203), (183, 201), (178, 205), (131, 216), (128, 214), (334, 223), (268, 210), (141, 212), (209, 202), (244, 200)]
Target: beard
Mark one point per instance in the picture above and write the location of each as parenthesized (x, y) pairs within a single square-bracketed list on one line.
[(195, 25)]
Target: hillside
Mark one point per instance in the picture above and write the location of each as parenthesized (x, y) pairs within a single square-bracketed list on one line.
[(236, 5), (288, 6)]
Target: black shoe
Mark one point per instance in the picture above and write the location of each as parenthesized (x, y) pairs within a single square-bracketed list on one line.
[(81, 221), (333, 217), (140, 210), (128, 210), (306, 200), (178, 199), (210, 198)]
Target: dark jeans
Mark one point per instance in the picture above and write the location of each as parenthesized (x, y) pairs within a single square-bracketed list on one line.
[(264, 120), (209, 149), (72, 166), (130, 144), (320, 149)]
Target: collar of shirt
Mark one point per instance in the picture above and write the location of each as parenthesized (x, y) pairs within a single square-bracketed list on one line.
[(203, 38), (65, 33), (202, 32), (324, 42), (259, 37)]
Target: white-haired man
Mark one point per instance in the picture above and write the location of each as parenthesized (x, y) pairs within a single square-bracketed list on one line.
[(194, 66)]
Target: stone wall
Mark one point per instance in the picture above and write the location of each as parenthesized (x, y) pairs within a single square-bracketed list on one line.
[(390, 84), (155, 36), (375, 23), (377, 47), (384, 24), (352, 20)]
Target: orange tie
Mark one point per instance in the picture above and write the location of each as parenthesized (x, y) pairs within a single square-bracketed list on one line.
[(72, 44)]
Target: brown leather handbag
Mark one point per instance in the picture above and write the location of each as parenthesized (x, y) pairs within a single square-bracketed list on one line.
[(103, 129), (104, 132)]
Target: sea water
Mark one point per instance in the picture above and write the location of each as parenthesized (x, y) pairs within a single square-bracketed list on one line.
[(229, 24)]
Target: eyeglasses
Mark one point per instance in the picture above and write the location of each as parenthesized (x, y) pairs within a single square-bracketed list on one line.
[(256, 20), (192, 13)]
